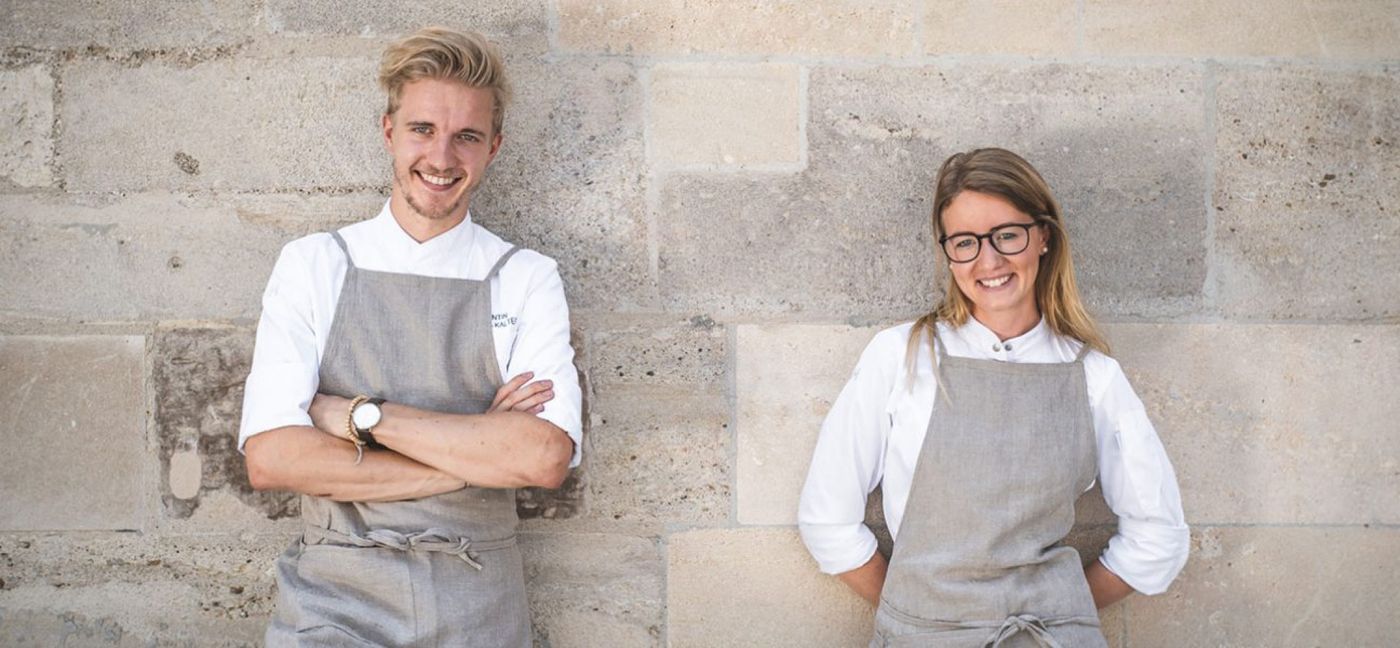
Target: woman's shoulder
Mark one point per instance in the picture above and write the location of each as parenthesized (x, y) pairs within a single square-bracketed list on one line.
[(1102, 372)]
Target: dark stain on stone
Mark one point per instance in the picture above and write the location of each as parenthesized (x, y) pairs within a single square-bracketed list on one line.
[(198, 380), (186, 163), (702, 321), (175, 263), (551, 504)]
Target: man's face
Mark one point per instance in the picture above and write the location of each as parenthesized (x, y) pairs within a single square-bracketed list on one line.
[(441, 140)]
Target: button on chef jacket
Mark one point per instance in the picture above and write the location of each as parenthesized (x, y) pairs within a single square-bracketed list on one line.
[(529, 317), (876, 428)]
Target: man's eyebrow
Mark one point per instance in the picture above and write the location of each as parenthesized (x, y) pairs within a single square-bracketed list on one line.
[(419, 123)]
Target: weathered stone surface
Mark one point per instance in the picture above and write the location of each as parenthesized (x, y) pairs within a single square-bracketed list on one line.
[(1305, 193), (26, 142), (145, 24), (136, 590), (570, 183), (512, 25), (198, 377), (74, 412), (238, 124), (850, 237), (591, 589), (690, 354), (756, 587), (1273, 424), (1040, 28), (786, 378), (1326, 29), (659, 456), (553, 503), (143, 257), (816, 28), (725, 117), (1306, 587)]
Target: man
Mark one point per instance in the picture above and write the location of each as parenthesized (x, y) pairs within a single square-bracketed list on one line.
[(377, 386)]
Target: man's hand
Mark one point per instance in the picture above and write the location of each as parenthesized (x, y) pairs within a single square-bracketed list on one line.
[(519, 395), (329, 414)]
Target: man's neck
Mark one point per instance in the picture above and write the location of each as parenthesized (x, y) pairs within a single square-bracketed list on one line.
[(418, 226)]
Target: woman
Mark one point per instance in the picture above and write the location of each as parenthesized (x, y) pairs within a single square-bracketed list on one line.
[(985, 420)]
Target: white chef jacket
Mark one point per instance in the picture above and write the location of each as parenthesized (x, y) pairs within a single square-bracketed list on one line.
[(529, 317), (876, 429)]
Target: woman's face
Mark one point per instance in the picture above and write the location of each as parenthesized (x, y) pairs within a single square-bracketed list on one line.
[(1000, 286)]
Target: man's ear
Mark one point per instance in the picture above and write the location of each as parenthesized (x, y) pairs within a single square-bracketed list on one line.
[(496, 142), (387, 123)]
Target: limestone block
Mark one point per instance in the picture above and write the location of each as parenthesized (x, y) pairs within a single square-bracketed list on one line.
[(132, 589), (511, 25), (1326, 29), (1040, 28), (1273, 424), (851, 237), (725, 117), (1305, 193), (569, 181), (26, 143), (74, 412), (756, 587), (140, 257), (198, 376), (786, 378), (594, 589), (816, 28), (687, 354), (1305, 587), (143, 24), (659, 456), (239, 124)]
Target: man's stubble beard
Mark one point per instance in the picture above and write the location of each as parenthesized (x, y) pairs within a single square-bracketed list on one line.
[(402, 183)]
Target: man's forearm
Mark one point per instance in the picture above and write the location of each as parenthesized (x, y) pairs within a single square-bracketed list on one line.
[(308, 461), (493, 450), (868, 579)]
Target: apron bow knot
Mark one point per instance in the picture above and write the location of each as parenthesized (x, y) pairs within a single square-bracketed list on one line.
[(430, 540), (1027, 623)]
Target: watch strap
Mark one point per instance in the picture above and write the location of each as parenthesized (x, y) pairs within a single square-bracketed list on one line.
[(367, 434)]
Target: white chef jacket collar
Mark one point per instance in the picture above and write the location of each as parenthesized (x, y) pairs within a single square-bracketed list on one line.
[(987, 343), (389, 233)]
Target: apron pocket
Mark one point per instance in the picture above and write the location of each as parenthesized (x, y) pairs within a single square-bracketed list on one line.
[(344, 587)]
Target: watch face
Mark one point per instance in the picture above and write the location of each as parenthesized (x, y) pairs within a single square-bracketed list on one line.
[(366, 416)]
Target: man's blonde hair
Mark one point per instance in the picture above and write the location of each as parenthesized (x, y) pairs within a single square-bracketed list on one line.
[(442, 53)]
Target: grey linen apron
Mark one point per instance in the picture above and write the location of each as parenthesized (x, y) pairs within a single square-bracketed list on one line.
[(979, 560), (438, 571)]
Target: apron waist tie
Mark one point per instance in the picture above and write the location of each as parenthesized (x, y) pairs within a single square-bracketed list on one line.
[(439, 540), (1034, 626), (1013, 625)]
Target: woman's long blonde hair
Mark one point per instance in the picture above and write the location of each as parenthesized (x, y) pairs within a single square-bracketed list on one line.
[(1003, 173)]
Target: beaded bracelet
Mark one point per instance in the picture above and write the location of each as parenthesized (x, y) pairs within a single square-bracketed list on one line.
[(351, 433)]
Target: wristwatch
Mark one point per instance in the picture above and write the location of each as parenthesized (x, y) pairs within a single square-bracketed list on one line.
[(364, 417)]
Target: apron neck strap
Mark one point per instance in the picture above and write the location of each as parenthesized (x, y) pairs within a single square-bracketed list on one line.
[(341, 242), (501, 262), (1083, 351)]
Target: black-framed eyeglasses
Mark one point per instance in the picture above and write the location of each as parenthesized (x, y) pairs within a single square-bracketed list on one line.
[(1008, 239)]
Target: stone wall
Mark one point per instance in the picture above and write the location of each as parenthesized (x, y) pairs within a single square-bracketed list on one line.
[(737, 193)]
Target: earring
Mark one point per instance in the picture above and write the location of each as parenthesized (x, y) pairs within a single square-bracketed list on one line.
[(1045, 249)]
